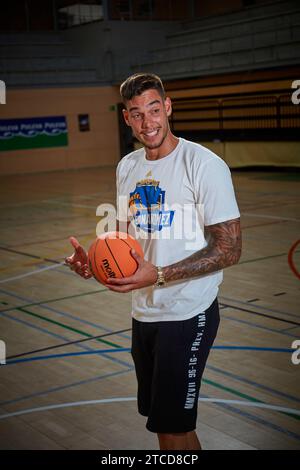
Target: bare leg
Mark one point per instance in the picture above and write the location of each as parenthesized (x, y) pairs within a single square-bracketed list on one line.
[(179, 441)]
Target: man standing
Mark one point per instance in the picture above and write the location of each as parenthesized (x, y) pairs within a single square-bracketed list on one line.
[(182, 208)]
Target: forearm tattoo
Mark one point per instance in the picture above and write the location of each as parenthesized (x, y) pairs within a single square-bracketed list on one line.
[(223, 250)]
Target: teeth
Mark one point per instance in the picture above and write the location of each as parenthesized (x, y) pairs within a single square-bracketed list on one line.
[(151, 134)]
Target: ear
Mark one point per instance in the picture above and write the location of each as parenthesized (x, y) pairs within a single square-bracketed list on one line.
[(168, 106), (125, 115)]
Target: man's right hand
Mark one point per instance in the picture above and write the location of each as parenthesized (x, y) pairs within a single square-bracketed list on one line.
[(78, 261)]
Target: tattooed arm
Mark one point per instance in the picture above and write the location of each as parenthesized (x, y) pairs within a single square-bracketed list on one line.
[(223, 250)]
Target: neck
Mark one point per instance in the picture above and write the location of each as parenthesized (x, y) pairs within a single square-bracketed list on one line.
[(168, 145)]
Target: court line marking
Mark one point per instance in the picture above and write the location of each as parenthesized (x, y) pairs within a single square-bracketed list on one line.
[(57, 265), (10, 225), (73, 317), (38, 201), (65, 314), (65, 387), (84, 206), (127, 399), (120, 349), (30, 273), (245, 227), (291, 260), (54, 335), (260, 314), (269, 389), (66, 327), (258, 420), (251, 324), (252, 383), (251, 416), (40, 329), (268, 309), (22, 253), (33, 304), (38, 242)]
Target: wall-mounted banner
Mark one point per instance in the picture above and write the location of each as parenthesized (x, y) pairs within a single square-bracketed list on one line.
[(29, 133)]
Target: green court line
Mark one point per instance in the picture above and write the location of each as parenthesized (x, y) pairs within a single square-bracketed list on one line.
[(209, 382), (243, 395), (66, 327)]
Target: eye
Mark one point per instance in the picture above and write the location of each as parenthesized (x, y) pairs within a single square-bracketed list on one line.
[(136, 116)]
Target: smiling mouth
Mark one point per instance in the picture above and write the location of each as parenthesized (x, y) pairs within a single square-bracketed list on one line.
[(151, 134)]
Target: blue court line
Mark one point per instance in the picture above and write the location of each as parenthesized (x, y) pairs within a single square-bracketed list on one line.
[(113, 359), (67, 315), (233, 409), (64, 314), (43, 330), (256, 419), (116, 350), (37, 328), (253, 325), (88, 349), (54, 356)]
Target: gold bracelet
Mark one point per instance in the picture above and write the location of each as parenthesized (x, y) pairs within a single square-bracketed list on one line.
[(160, 281)]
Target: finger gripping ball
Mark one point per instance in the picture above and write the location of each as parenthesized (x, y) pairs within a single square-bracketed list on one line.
[(109, 256)]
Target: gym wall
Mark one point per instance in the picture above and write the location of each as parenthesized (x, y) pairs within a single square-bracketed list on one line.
[(97, 147)]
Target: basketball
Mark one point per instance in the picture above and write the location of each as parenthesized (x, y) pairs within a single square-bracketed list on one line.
[(109, 256)]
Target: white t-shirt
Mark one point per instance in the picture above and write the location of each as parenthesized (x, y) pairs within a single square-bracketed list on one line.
[(189, 188)]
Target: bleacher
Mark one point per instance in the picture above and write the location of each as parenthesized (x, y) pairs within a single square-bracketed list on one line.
[(42, 59), (257, 37)]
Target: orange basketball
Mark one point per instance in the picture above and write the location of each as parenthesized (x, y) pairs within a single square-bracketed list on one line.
[(109, 256)]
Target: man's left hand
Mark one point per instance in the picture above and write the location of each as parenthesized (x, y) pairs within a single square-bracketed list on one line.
[(145, 275)]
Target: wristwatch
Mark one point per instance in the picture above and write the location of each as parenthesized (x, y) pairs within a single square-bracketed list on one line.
[(160, 281)]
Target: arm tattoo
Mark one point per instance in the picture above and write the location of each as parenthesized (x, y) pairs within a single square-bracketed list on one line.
[(223, 250)]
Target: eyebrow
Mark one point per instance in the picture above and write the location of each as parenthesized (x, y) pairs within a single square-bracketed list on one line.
[(134, 108)]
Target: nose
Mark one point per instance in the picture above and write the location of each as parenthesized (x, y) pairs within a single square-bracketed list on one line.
[(147, 122)]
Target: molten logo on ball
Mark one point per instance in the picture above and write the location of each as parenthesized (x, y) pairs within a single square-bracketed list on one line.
[(108, 269), (110, 256)]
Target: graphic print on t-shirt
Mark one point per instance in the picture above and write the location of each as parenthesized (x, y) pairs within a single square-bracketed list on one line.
[(147, 203)]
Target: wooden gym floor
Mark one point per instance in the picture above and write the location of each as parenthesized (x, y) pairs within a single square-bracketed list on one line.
[(250, 394)]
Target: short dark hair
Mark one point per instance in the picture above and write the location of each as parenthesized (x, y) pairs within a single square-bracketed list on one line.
[(138, 83)]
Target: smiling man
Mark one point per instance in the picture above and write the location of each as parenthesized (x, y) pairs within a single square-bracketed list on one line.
[(182, 208)]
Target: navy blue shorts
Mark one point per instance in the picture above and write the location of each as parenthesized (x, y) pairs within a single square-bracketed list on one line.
[(170, 358)]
